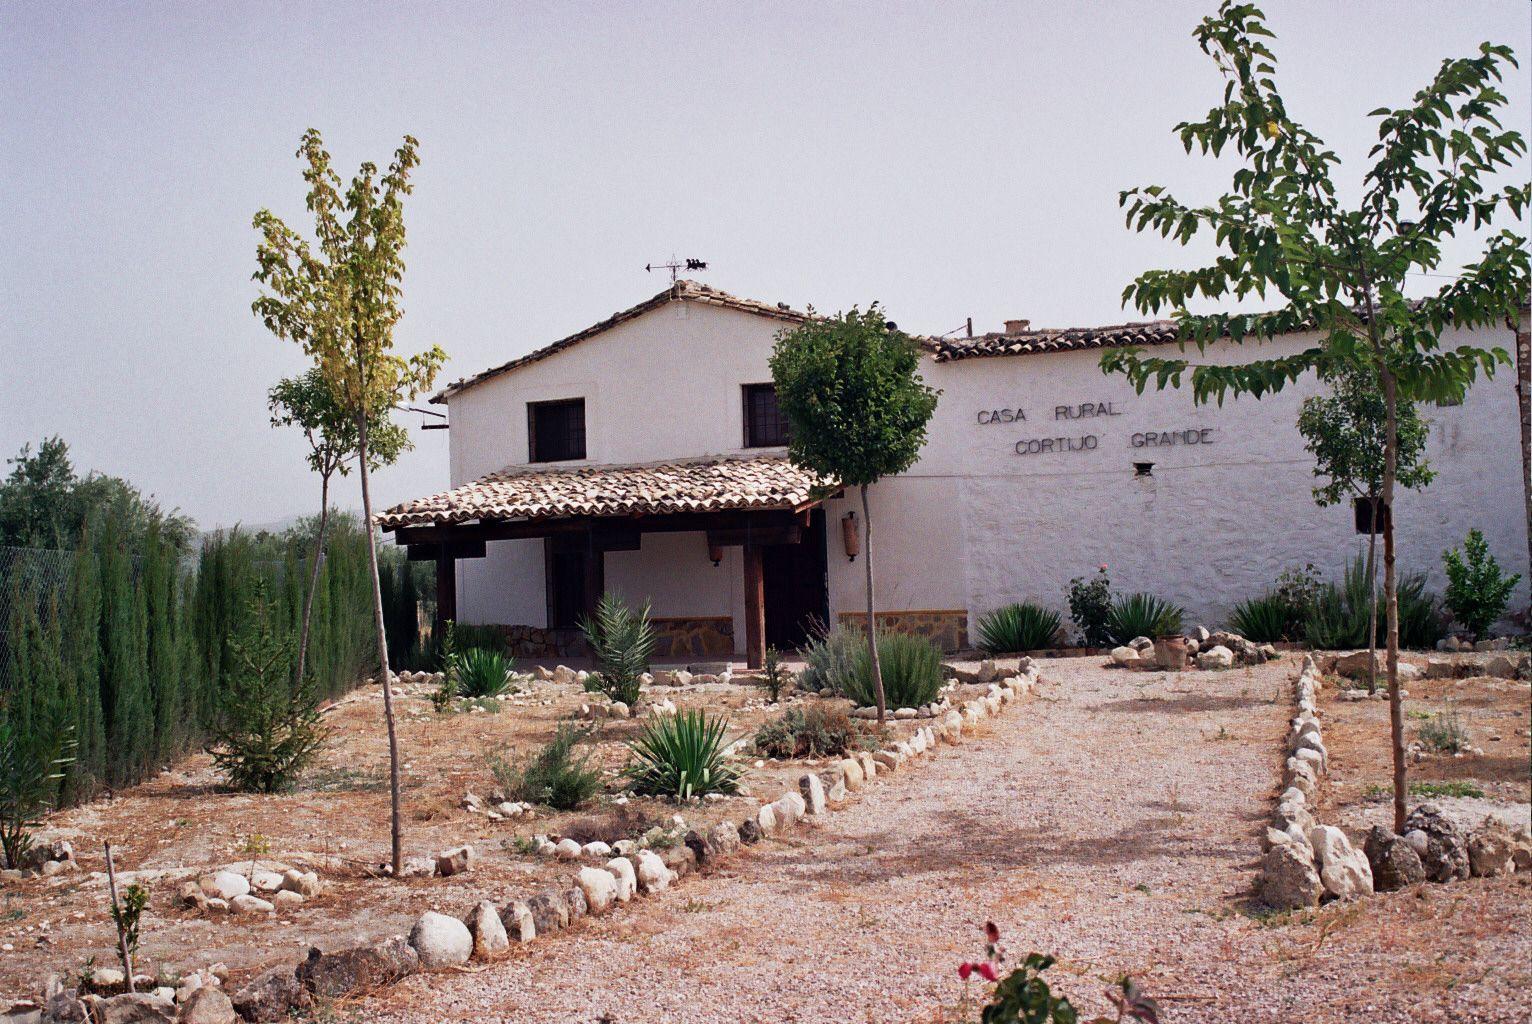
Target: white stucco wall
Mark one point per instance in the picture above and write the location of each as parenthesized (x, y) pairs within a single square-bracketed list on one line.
[(974, 525)]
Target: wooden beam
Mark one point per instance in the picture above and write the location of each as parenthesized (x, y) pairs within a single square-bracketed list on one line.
[(458, 549), (755, 608), (768, 535), (615, 527)]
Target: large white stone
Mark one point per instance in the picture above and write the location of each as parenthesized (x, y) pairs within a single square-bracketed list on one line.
[(1215, 657), (813, 792), (600, 888), (489, 938), (440, 940), (1124, 655), (1343, 870), (225, 885), (653, 875), (627, 879)]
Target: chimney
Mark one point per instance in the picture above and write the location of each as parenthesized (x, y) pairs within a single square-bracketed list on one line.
[(1017, 326)]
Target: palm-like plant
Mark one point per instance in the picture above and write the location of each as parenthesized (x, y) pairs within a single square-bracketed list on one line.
[(621, 643), (681, 756), (1142, 615), (1018, 627), (30, 770)]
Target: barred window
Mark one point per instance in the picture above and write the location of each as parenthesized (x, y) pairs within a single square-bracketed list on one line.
[(556, 430), (765, 426)]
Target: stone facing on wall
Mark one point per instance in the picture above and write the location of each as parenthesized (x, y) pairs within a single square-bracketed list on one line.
[(697, 637), (536, 642), (948, 629)]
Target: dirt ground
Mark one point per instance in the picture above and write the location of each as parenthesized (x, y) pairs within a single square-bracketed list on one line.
[(1113, 820), (183, 823)]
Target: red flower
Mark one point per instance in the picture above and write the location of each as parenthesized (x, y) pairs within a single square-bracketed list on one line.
[(964, 970), (988, 971)]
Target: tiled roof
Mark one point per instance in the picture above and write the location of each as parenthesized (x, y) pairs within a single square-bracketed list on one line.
[(689, 290), (1063, 339), (700, 485)]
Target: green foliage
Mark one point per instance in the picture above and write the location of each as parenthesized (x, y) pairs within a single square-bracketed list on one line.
[(811, 731), (775, 674), (553, 776), (268, 729), (1346, 431), (32, 762), (621, 643), (1267, 619), (681, 756), (1018, 627), (308, 403), (830, 659), (912, 672), (849, 387), (1090, 607), (1445, 733), (1457, 788), (1337, 616), (128, 915), (1142, 615), (1477, 591), (482, 673), (1023, 997)]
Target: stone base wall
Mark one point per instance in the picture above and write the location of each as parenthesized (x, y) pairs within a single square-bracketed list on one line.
[(696, 637), (537, 642), (948, 628)]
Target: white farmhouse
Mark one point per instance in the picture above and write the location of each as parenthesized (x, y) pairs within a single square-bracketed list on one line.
[(644, 455)]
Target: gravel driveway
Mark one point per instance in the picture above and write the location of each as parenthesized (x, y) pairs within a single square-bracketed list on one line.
[(1112, 820)]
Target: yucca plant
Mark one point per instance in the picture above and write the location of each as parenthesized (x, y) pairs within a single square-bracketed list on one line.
[(912, 672), (681, 756), (1018, 627), (1142, 615), (621, 643), (482, 672), (1269, 618)]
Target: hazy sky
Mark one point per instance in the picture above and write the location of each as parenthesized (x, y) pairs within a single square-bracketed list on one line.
[(948, 159)]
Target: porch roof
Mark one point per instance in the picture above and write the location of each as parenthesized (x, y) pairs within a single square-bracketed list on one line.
[(717, 484)]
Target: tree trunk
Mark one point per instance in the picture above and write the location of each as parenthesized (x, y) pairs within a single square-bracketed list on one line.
[(308, 599), (1391, 593), (872, 623), (1524, 407), (396, 839), (1372, 601)]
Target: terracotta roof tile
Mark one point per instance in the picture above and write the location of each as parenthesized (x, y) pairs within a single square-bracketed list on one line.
[(700, 485), (692, 291), (1063, 339)]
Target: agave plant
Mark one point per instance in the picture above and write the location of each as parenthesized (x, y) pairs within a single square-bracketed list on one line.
[(621, 643), (681, 756), (1018, 627), (482, 672), (912, 672), (1269, 618), (1142, 615)]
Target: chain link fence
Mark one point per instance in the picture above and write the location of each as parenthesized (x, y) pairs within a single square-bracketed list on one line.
[(39, 573)]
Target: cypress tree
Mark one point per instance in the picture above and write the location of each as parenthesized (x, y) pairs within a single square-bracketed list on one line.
[(82, 662), (124, 676), (158, 585)]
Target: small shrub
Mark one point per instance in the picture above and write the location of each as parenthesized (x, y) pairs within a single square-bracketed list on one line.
[(621, 821), (1477, 591), (128, 915), (1142, 615), (775, 674), (681, 756), (1445, 733), (621, 643), (268, 730), (830, 659), (811, 732), (482, 672), (912, 672), (553, 776), (1090, 606), (1018, 627)]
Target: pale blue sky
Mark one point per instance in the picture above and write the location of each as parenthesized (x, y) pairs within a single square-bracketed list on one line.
[(950, 160)]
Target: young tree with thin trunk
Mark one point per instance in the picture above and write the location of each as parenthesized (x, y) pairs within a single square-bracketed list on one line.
[(341, 302), (1340, 272), (1344, 430), (307, 403), (858, 409)]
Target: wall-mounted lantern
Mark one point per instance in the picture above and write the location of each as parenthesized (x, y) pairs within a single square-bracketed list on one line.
[(850, 536), (714, 552)]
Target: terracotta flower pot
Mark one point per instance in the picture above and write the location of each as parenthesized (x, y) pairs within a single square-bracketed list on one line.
[(1170, 652)]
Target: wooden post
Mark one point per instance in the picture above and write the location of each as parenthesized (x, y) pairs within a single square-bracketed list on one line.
[(446, 591), (755, 608), (122, 936)]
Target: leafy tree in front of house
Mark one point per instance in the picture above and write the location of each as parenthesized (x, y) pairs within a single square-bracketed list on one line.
[(1346, 432), (308, 403), (340, 300), (850, 389), (1286, 239), (1477, 591)]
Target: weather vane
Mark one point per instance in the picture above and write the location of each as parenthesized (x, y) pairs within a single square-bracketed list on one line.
[(675, 266)]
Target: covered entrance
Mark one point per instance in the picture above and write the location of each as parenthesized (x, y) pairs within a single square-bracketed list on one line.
[(763, 505)]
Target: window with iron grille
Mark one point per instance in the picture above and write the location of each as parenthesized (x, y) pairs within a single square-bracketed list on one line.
[(556, 430), (1369, 519), (765, 427)]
